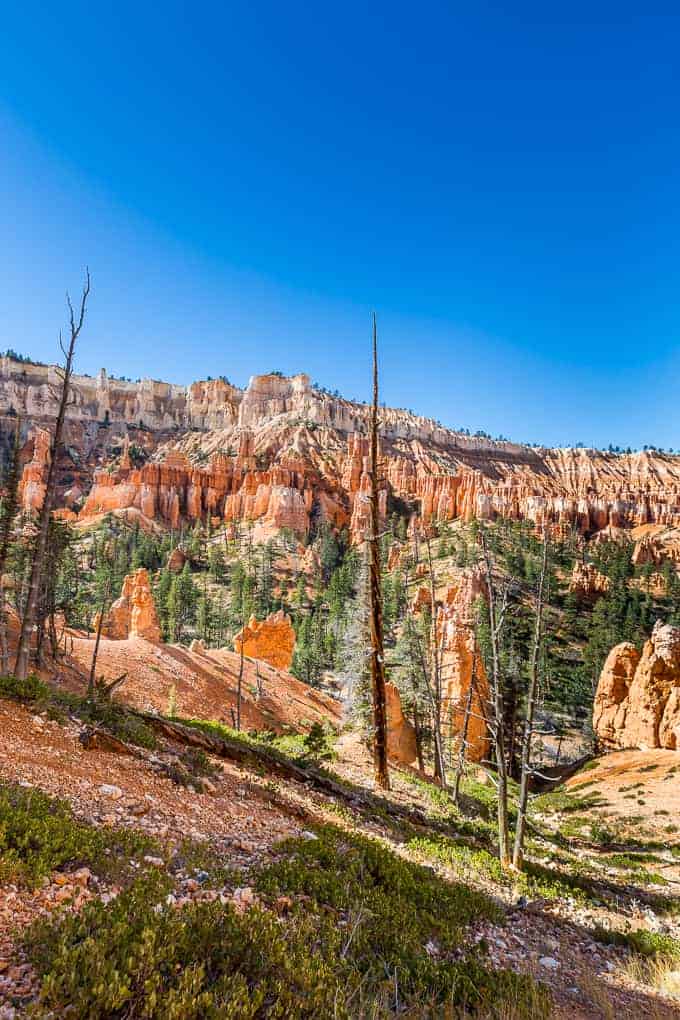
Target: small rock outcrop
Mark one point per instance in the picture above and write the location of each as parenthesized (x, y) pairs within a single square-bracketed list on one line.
[(401, 735), (134, 613), (176, 561), (587, 582), (637, 702), (271, 640)]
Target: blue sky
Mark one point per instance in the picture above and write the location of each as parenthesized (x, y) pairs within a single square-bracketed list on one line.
[(247, 181)]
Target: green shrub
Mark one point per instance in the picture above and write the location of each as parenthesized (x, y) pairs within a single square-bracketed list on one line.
[(30, 690), (119, 721), (644, 943), (110, 715), (367, 934), (39, 834), (115, 718)]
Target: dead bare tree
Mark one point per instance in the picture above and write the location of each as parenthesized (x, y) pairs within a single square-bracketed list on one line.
[(497, 611), (375, 595), (30, 613), (532, 692), (9, 512), (239, 684), (100, 624)]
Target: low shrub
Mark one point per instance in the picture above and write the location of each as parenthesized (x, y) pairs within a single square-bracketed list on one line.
[(117, 719), (365, 933), (645, 943), (110, 715), (39, 834), (29, 691)]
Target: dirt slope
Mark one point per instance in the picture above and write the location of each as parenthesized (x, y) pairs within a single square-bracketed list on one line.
[(206, 684)]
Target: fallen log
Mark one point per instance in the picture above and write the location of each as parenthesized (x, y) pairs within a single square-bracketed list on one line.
[(281, 766), (548, 777), (95, 739)]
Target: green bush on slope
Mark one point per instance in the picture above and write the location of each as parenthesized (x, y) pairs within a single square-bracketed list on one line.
[(364, 933), (39, 834)]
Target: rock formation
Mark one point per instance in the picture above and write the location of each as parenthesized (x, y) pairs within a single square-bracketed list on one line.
[(456, 628), (637, 702), (176, 561), (587, 582), (401, 736), (271, 640), (283, 453), (134, 613), (33, 480), (656, 544)]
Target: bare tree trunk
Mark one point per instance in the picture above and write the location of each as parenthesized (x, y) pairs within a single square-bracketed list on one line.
[(24, 647), (418, 732), (496, 620), (100, 625), (439, 763), (518, 851), (376, 616), (239, 685), (8, 515)]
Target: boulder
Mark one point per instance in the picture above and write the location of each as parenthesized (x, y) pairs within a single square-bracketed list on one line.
[(637, 702), (271, 640)]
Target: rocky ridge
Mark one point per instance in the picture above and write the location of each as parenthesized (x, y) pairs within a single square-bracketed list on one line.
[(283, 454)]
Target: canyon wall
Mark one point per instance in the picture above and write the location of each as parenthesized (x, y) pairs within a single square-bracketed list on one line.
[(285, 454)]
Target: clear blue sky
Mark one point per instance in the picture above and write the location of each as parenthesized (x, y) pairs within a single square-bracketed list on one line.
[(247, 181)]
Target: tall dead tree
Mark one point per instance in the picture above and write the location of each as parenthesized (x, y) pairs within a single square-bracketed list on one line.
[(239, 683), (100, 626), (532, 692), (375, 595), (497, 611), (37, 565), (9, 512)]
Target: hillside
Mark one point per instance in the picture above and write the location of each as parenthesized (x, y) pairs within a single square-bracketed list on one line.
[(219, 846)]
